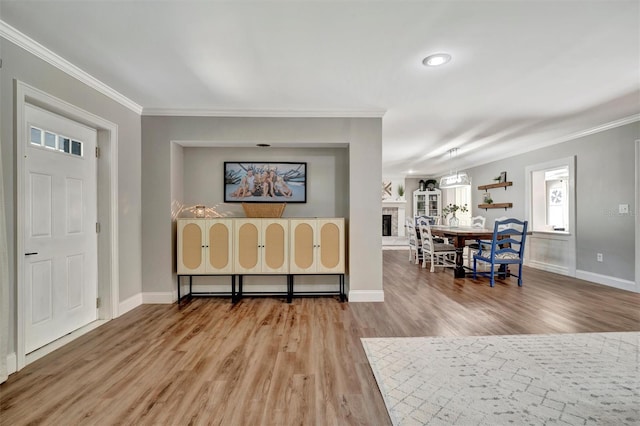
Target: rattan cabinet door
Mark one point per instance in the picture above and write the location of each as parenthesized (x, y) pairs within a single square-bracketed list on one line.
[(191, 247), (247, 243), (303, 246), (219, 242), (275, 246), (330, 247)]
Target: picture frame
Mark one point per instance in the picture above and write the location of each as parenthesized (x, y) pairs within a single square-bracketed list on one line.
[(265, 182), (503, 177)]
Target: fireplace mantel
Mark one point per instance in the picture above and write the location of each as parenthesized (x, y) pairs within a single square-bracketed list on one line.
[(394, 203)]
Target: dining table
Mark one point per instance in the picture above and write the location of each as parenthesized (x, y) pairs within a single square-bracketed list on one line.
[(459, 235)]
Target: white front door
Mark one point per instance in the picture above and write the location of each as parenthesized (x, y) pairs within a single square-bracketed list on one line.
[(60, 227)]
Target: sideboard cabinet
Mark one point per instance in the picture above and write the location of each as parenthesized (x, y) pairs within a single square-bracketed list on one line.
[(317, 246), (255, 246), (205, 246), (262, 246)]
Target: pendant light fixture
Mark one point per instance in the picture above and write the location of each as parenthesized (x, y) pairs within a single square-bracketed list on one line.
[(456, 179)]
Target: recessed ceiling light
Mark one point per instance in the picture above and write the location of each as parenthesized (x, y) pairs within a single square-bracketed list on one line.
[(436, 59), (263, 145)]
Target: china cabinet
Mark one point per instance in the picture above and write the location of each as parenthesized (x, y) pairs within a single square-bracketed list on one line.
[(427, 203)]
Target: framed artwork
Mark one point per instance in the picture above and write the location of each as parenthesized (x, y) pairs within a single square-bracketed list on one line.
[(503, 177), (386, 190), (256, 182)]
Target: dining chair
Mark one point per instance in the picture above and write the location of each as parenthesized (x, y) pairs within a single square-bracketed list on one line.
[(438, 253), (506, 247), (415, 251), (478, 221), (433, 220), (471, 247)]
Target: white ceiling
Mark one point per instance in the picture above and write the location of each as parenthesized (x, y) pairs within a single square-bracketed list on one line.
[(524, 74)]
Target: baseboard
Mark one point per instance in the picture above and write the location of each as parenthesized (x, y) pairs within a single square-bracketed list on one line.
[(129, 304), (548, 267), (366, 296), (161, 298), (608, 280), (12, 363), (64, 340)]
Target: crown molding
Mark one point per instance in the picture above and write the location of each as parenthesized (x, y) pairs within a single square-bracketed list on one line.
[(191, 112), (14, 36), (572, 136), (535, 146), (607, 126)]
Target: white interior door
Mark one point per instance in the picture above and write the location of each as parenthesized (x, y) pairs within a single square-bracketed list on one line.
[(60, 227)]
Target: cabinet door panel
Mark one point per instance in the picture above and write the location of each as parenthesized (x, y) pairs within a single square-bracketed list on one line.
[(330, 245), (331, 254), (274, 247), (192, 246), (303, 246), (248, 240), (219, 247)]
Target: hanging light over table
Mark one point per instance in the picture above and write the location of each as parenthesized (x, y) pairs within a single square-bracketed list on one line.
[(456, 179)]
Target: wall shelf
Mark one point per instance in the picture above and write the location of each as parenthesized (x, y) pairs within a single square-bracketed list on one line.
[(495, 185), (496, 206)]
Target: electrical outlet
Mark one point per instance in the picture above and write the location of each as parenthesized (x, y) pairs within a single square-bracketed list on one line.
[(600, 257), (623, 208)]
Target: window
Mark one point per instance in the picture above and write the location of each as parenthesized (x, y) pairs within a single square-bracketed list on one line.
[(50, 140), (459, 196), (557, 214), (54, 141), (36, 136), (551, 196)]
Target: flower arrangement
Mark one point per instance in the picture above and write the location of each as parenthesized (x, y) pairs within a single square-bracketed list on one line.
[(453, 208)]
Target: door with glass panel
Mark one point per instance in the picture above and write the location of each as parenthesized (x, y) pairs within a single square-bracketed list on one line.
[(60, 259)]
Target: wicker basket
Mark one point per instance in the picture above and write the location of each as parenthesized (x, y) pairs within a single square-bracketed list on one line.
[(263, 209)]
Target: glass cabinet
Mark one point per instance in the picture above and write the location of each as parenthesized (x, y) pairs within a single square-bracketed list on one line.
[(427, 203)]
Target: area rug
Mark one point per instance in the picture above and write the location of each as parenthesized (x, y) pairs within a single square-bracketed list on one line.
[(560, 379)]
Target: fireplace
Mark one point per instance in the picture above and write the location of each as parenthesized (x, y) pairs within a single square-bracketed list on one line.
[(386, 225), (396, 210)]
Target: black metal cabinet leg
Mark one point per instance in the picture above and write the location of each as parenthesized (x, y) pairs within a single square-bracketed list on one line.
[(178, 288), (289, 288), (233, 289)]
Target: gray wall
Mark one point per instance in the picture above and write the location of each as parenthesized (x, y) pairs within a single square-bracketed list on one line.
[(355, 201), (327, 174), (17, 64), (605, 178)]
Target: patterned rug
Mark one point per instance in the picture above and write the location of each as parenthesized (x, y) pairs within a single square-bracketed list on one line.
[(560, 379)]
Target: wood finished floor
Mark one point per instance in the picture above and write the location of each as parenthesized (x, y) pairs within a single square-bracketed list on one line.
[(263, 361)]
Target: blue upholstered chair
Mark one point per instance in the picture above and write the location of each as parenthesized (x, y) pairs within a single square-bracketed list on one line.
[(505, 248)]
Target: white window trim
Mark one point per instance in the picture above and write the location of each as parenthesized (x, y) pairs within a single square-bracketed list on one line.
[(570, 236)]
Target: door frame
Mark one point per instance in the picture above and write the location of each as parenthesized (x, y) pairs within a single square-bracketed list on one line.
[(107, 198), (637, 215)]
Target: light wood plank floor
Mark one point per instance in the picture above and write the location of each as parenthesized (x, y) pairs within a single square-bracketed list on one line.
[(263, 361)]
